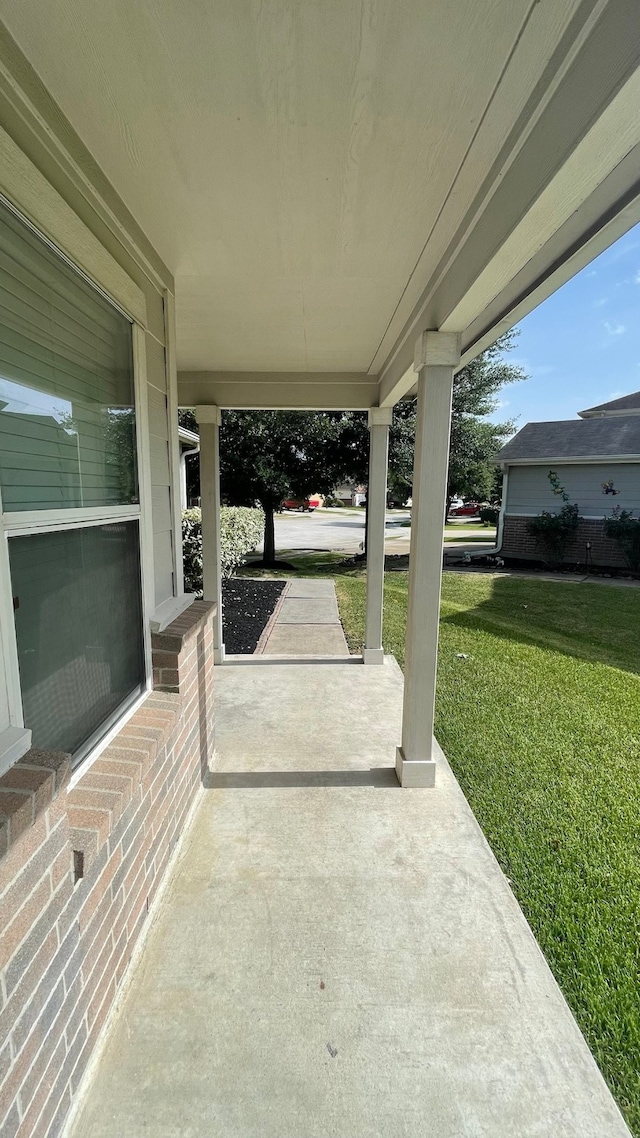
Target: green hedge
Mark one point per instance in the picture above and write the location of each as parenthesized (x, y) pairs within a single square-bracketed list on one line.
[(241, 529)]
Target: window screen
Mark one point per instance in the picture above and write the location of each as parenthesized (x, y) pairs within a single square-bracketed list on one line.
[(79, 629), (67, 422)]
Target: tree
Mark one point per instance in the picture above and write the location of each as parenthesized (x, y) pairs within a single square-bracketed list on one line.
[(474, 439), (266, 456)]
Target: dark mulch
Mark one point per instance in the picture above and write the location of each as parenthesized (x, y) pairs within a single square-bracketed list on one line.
[(247, 605)]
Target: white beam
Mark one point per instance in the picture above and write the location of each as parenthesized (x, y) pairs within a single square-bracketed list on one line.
[(394, 387), (209, 419), (295, 391), (438, 355), (379, 423)]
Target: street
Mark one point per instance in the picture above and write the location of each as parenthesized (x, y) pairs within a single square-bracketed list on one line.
[(343, 531)]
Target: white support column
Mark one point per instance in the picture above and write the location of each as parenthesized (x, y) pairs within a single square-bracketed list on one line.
[(437, 355), (209, 419), (379, 423)]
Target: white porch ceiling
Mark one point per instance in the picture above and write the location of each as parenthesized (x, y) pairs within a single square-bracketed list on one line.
[(326, 177)]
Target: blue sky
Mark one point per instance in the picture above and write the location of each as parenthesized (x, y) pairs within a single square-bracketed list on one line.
[(582, 345)]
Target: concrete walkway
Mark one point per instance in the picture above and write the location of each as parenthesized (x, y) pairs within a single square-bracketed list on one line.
[(335, 956), (306, 622)]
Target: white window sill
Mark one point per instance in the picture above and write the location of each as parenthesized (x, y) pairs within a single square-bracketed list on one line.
[(169, 610), (14, 743)]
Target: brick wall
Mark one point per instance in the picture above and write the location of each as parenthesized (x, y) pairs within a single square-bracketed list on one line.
[(66, 940), (517, 542)]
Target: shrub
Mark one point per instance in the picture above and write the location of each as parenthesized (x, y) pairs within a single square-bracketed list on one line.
[(333, 503), (625, 530), (489, 515), (553, 532), (241, 528)]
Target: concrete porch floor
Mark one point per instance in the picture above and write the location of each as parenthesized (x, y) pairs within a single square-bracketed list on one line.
[(335, 956)]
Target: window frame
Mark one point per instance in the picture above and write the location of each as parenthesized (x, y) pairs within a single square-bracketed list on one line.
[(15, 738)]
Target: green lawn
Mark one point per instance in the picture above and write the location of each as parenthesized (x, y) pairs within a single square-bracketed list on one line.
[(541, 725), (468, 539)]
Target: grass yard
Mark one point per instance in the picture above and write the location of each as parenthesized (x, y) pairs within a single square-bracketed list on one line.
[(452, 538), (541, 725)]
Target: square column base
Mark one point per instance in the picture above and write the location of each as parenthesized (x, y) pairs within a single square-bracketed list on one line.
[(218, 655), (415, 772), (373, 655)]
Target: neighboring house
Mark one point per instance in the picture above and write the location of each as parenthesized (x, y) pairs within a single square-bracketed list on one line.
[(243, 206), (350, 495), (595, 460)]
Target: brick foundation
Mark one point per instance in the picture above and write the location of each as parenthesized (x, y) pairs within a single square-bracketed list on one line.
[(79, 869), (517, 542)]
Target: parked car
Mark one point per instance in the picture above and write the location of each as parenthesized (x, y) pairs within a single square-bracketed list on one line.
[(302, 505), (470, 509)]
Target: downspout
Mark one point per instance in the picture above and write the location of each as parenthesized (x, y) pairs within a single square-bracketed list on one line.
[(184, 455), (503, 507)]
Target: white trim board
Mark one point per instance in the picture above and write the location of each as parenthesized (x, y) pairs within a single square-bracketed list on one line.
[(575, 460), (536, 513)]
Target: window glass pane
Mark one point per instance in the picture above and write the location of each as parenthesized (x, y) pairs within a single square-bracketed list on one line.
[(79, 628), (67, 424)]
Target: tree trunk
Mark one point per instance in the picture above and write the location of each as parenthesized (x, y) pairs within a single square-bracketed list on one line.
[(269, 555), (448, 508)]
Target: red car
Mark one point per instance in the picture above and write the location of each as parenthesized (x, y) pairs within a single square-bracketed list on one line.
[(302, 505), (469, 510)]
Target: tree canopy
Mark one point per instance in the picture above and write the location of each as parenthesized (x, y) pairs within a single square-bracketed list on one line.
[(266, 456)]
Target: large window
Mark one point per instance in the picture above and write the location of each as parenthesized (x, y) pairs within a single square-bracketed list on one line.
[(69, 487)]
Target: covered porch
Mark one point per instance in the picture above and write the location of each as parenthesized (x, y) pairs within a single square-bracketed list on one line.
[(333, 955), (292, 205)]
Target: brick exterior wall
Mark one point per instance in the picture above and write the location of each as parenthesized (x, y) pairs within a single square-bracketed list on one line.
[(66, 940), (516, 542)]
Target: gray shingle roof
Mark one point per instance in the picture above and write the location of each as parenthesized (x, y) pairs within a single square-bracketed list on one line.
[(575, 438), (624, 403)]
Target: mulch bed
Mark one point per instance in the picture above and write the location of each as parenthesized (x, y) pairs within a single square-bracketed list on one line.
[(247, 605)]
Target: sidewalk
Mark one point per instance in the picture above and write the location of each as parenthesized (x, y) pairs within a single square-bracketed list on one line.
[(305, 622)]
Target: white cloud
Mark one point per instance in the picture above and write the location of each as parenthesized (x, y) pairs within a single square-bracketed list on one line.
[(616, 395), (600, 303), (592, 273), (613, 328), (637, 277)]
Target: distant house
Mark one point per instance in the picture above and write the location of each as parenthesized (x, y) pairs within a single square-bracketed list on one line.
[(350, 494), (596, 461)]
